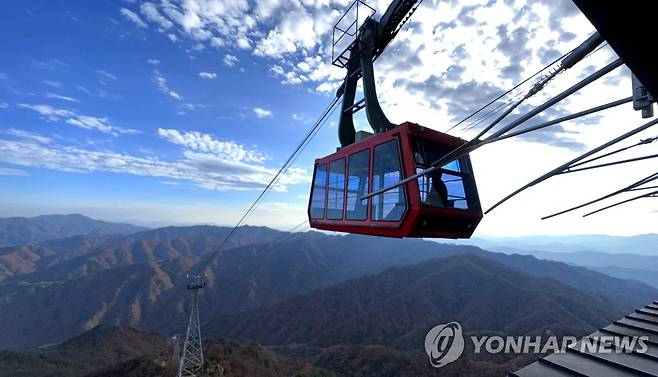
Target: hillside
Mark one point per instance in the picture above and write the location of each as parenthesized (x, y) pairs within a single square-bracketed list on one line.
[(152, 245), (623, 265), (100, 347), (22, 260), (396, 306), (108, 351), (152, 295), (33, 230), (644, 244), (377, 324)]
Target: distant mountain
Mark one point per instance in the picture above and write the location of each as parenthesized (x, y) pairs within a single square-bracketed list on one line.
[(98, 348), (32, 230), (21, 260), (109, 351), (388, 314), (398, 306), (151, 245), (646, 244), (642, 268), (649, 277), (591, 258), (142, 280)]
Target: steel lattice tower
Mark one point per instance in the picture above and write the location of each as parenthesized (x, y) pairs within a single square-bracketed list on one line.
[(191, 362)]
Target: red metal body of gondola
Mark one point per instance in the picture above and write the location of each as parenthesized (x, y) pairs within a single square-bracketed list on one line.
[(444, 205)]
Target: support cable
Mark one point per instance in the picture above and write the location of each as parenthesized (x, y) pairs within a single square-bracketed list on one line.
[(591, 40), (649, 195), (258, 253), (613, 163), (491, 113), (508, 92), (577, 159), (312, 131), (631, 187), (641, 142), (475, 143), (559, 120)]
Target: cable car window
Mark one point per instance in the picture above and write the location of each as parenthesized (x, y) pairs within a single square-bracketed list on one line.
[(442, 189), (445, 187), (426, 152), (318, 193), (390, 205), (357, 185), (336, 197)]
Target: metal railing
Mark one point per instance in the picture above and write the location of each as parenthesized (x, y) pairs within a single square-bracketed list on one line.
[(346, 30)]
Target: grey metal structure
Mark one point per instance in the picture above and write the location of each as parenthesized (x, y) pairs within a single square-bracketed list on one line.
[(371, 38), (175, 345), (191, 363), (584, 362)]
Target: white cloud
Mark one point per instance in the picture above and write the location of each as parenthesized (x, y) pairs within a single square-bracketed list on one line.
[(106, 74), (230, 60), (187, 107), (151, 12), (199, 142), (208, 75), (50, 64), (270, 28), (207, 162), (153, 61), (132, 16), (262, 113), (61, 97), (244, 43), (87, 122), (161, 82), (12, 172), (49, 112), (91, 123), (28, 135), (3, 105), (54, 84), (217, 42)]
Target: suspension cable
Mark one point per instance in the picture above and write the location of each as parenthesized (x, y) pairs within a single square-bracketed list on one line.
[(475, 143), (311, 132), (497, 109), (575, 160), (631, 187), (508, 92), (649, 195)]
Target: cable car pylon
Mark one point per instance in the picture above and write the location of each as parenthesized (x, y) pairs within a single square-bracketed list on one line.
[(191, 362)]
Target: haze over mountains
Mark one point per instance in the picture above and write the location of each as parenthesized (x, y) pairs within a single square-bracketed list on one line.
[(22, 230), (645, 244), (633, 257), (347, 304)]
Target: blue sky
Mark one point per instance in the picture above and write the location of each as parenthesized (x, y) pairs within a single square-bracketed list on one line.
[(177, 112), (87, 61)]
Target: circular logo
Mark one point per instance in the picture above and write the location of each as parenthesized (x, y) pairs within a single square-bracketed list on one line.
[(444, 344)]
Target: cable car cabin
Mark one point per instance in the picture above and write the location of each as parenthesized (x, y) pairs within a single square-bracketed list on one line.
[(443, 205)]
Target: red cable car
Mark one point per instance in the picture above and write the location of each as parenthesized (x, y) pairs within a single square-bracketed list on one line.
[(444, 205)]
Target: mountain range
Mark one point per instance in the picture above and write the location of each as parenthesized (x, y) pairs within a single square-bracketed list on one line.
[(642, 268), (644, 244), (31, 230), (109, 351), (333, 305)]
